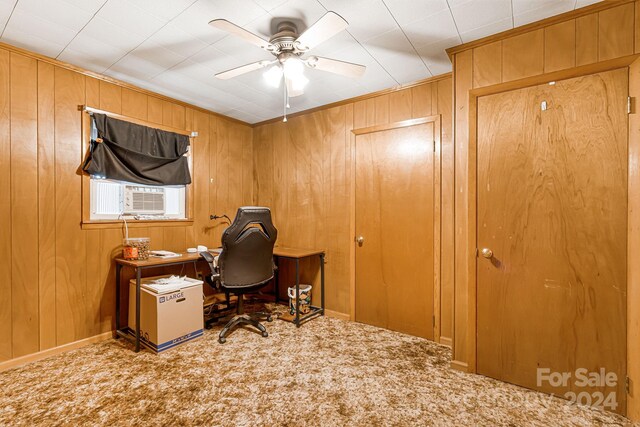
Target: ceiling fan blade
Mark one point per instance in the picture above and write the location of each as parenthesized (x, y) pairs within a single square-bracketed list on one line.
[(238, 71), (326, 27), (334, 66), (237, 31)]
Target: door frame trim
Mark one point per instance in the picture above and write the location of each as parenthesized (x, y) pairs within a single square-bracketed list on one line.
[(437, 210), (633, 187)]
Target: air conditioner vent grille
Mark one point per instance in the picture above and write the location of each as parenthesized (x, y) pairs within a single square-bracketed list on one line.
[(148, 201), (144, 200)]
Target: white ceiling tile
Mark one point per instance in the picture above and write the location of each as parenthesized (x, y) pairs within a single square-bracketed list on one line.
[(195, 71), (195, 19), (494, 28), (58, 12), (91, 6), (406, 68), (245, 117), (521, 6), (181, 84), (269, 4), (303, 12), (262, 113), (214, 59), (37, 34), (376, 76), (436, 27), (164, 9), (230, 101), (352, 91), (130, 17), (156, 54), (435, 56), (262, 26), (6, 7), (111, 34), (583, 3), (440, 67), (406, 12), (479, 13), (178, 41), (25, 22), (455, 3), (367, 18), (376, 85), (84, 60), (525, 12), (137, 67), (99, 52), (388, 45), (27, 41)]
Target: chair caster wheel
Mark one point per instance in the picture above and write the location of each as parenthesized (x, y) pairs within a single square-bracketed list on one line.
[(222, 340), (270, 319), (265, 334)]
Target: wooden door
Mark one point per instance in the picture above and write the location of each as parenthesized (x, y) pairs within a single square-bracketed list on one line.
[(552, 207), (394, 215)]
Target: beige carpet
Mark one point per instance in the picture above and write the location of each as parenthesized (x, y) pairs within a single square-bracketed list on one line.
[(328, 373)]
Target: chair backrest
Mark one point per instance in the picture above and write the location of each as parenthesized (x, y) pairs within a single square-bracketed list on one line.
[(246, 259)]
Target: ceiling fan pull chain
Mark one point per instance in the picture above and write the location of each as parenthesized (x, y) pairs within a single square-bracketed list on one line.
[(286, 101)]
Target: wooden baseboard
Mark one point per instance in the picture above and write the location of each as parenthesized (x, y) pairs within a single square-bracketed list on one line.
[(459, 366), (23, 360), (446, 341), (337, 314)]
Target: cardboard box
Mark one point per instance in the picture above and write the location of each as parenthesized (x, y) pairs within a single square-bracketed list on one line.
[(167, 319)]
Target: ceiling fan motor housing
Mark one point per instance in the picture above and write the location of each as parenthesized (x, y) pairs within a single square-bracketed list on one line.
[(284, 40)]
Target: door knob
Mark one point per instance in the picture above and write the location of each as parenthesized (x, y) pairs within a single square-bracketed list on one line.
[(487, 253), (360, 240)]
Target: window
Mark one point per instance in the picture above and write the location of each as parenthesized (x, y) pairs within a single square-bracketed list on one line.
[(105, 201), (113, 199)]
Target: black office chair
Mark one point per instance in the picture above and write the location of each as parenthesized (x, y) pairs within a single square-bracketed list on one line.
[(245, 263)]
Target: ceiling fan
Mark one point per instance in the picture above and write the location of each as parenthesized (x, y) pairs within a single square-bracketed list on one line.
[(288, 47)]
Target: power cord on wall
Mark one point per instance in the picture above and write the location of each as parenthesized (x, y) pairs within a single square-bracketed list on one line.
[(214, 216)]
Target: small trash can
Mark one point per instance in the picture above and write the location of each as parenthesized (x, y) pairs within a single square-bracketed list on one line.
[(305, 299)]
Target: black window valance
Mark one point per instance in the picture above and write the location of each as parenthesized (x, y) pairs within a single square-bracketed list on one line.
[(130, 152)]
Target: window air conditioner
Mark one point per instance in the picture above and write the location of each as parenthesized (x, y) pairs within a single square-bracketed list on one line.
[(141, 200)]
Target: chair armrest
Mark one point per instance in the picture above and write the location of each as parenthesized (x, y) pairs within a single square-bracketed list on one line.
[(213, 279)]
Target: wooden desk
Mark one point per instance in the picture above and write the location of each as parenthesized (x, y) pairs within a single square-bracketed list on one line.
[(296, 255), (138, 266), (193, 258)]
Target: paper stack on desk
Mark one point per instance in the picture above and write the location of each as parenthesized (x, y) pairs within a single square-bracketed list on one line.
[(164, 254), (168, 284)]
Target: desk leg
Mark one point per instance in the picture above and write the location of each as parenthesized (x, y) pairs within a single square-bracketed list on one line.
[(117, 322), (322, 282), (195, 269), (275, 278), (297, 292), (138, 276)]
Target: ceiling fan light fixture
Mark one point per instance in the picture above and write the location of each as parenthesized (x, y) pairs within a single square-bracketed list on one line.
[(293, 68), (273, 76), (299, 83)]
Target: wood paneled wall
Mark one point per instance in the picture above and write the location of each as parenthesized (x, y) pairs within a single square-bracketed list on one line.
[(303, 171), (58, 280), (574, 42)]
